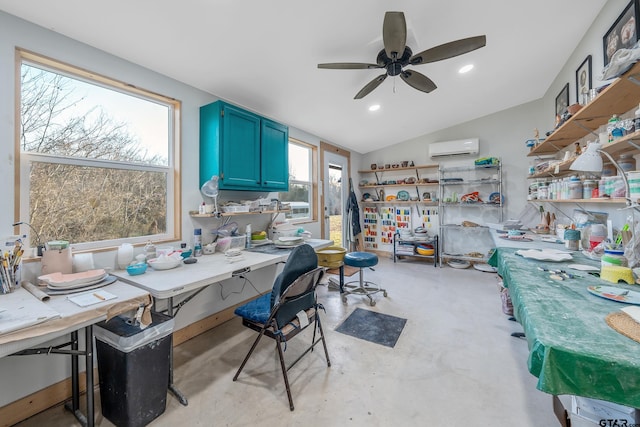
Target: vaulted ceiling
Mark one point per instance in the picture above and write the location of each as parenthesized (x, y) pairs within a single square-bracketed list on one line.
[(263, 55)]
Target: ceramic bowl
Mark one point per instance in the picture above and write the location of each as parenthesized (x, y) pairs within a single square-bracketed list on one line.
[(136, 269), (422, 250), (209, 249), (164, 263)]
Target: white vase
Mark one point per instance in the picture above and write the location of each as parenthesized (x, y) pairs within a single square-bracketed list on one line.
[(125, 255)]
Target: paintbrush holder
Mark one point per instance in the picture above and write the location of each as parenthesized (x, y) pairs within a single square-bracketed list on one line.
[(57, 261)]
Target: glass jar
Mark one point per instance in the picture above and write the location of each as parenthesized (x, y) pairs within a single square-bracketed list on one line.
[(543, 192), (572, 239), (587, 188), (627, 162), (613, 257), (575, 188)]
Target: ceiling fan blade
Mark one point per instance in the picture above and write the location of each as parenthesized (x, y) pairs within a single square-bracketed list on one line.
[(418, 81), (348, 66), (449, 50), (394, 34), (370, 86)]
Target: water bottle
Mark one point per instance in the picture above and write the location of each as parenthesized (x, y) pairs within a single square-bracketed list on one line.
[(247, 231), (197, 242)]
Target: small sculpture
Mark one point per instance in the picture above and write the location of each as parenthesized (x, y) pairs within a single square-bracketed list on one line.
[(578, 148)]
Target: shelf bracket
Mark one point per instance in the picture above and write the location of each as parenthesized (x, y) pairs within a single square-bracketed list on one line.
[(633, 144), (634, 78), (585, 128)]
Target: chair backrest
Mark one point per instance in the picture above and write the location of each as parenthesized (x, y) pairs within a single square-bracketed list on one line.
[(293, 289), (302, 285), (301, 260)]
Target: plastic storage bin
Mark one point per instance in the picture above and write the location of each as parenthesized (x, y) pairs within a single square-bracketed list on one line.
[(133, 368)]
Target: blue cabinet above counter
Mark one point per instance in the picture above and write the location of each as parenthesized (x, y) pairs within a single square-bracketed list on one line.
[(246, 151)]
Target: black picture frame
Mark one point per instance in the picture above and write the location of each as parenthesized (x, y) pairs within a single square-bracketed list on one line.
[(583, 81), (624, 31), (562, 101)]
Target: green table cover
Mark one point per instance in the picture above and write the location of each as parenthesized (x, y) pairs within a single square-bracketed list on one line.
[(571, 348)]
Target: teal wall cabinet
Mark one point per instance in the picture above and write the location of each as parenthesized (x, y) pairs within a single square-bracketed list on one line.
[(246, 151)]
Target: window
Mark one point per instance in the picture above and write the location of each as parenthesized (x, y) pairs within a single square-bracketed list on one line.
[(302, 191), (98, 158)]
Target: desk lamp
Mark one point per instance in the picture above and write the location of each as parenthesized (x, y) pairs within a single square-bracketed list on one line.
[(591, 161)]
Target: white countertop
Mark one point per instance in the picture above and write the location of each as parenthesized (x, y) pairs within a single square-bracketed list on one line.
[(207, 270)]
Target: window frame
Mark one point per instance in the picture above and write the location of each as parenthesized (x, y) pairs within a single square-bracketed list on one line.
[(313, 183), (172, 169)]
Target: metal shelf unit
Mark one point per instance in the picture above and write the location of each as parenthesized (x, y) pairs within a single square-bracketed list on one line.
[(486, 180)]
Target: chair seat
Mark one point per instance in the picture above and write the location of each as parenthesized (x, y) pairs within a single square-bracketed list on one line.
[(257, 310), (360, 259)]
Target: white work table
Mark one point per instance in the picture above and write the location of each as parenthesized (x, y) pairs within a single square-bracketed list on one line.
[(209, 269), (63, 317)]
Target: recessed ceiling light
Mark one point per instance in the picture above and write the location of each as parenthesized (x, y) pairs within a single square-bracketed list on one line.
[(374, 107), (466, 69)]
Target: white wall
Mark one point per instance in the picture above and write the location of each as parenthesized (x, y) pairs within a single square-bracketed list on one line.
[(502, 134)]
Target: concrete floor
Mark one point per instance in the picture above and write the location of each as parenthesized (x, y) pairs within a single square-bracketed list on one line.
[(454, 364)]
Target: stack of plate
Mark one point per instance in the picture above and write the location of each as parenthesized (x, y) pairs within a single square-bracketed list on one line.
[(288, 241), (77, 281), (234, 255)]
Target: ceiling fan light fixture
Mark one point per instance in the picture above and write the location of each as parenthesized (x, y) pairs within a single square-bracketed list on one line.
[(396, 55), (465, 69), (374, 107)]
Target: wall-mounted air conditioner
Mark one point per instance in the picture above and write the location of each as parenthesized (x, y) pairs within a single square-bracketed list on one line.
[(469, 146)]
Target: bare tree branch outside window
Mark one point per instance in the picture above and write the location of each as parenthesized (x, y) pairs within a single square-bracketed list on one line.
[(90, 176)]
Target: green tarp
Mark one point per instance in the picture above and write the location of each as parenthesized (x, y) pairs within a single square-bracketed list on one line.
[(572, 349)]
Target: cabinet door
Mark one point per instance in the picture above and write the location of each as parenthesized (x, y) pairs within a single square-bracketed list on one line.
[(275, 156), (240, 150)]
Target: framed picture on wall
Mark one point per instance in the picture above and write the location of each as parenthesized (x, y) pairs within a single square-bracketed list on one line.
[(583, 81), (562, 100), (624, 31)]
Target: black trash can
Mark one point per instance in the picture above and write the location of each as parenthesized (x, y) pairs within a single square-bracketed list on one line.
[(133, 367)]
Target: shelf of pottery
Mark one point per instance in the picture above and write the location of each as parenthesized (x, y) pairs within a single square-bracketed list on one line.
[(397, 196), (382, 222)]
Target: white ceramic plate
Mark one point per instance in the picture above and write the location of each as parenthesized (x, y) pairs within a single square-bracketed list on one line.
[(290, 238), (76, 285), (485, 268), (457, 263), (615, 294), (583, 267), (545, 254)]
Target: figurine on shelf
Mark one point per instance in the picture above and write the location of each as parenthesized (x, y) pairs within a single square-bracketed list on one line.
[(536, 135), (578, 148), (411, 164)]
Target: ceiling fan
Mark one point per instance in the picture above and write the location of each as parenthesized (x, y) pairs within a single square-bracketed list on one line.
[(396, 55)]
